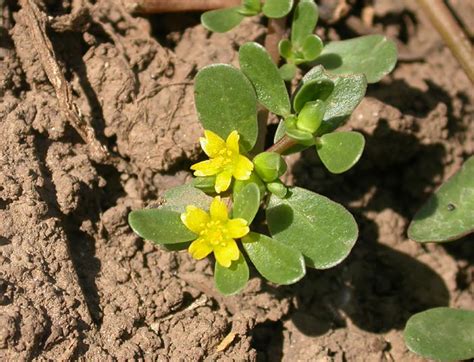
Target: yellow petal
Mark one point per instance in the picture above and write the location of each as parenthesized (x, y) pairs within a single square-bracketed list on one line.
[(218, 210), (212, 143), (223, 180), (232, 141), (242, 168), (195, 219), (237, 228), (199, 249), (227, 253), (207, 168)]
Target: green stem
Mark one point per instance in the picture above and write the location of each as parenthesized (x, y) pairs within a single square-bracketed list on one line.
[(451, 32)]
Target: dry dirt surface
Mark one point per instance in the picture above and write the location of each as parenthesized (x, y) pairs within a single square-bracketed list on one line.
[(117, 127)]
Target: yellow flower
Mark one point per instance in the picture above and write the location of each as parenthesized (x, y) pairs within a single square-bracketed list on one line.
[(225, 160), (216, 232)]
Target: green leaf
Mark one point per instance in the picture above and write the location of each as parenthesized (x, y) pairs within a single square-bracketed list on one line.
[(250, 7), (162, 226), (225, 101), (254, 179), (346, 96), (287, 71), (233, 279), (339, 151), (321, 229), (277, 8), (246, 203), (176, 247), (284, 48), (312, 47), (205, 184), (274, 260), (449, 213), (312, 90), (257, 65), (222, 20), (305, 18), (441, 334), (304, 137), (371, 55), (179, 197), (277, 188)]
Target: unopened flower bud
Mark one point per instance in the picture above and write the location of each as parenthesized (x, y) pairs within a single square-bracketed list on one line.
[(269, 165), (311, 116)]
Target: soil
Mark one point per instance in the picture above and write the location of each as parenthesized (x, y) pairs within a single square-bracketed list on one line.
[(76, 283)]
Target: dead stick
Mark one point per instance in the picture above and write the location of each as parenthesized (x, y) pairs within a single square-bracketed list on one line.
[(175, 6), (451, 32), (36, 23)]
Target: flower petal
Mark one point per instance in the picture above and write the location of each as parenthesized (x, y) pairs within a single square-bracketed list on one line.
[(195, 219), (237, 228), (223, 180), (227, 252), (243, 167), (199, 249), (232, 141), (218, 210), (212, 143), (207, 168)]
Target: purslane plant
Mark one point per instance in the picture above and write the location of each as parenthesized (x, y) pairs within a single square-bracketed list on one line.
[(215, 212), (223, 20), (444, 333)]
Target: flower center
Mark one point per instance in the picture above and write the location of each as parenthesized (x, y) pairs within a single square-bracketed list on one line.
[(226, 157), (214, 232)]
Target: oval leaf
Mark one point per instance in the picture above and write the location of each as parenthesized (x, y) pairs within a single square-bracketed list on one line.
[(321, 229), (222, 20), (449, 213), (287, 72), (233, 279), (441, 334), (225, 101), (347, 93), (305, 18), (276, 261), (277, 8), (246, 203), (339, 151), (303, 137), (371, 55), (312, 47), (177, 198), (257, 65), (162, 226)]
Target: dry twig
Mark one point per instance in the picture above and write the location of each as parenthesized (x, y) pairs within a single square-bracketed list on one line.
[(174, 6), (451, 32), (36, 22)]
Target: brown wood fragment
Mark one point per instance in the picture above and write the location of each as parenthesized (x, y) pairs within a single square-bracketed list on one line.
[(36, 22)]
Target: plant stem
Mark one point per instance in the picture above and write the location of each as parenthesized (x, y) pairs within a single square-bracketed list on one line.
[(175, 6), (282, 145), (451, 32)]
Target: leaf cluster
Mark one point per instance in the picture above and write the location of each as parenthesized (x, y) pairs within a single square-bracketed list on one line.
[(297, 228)]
